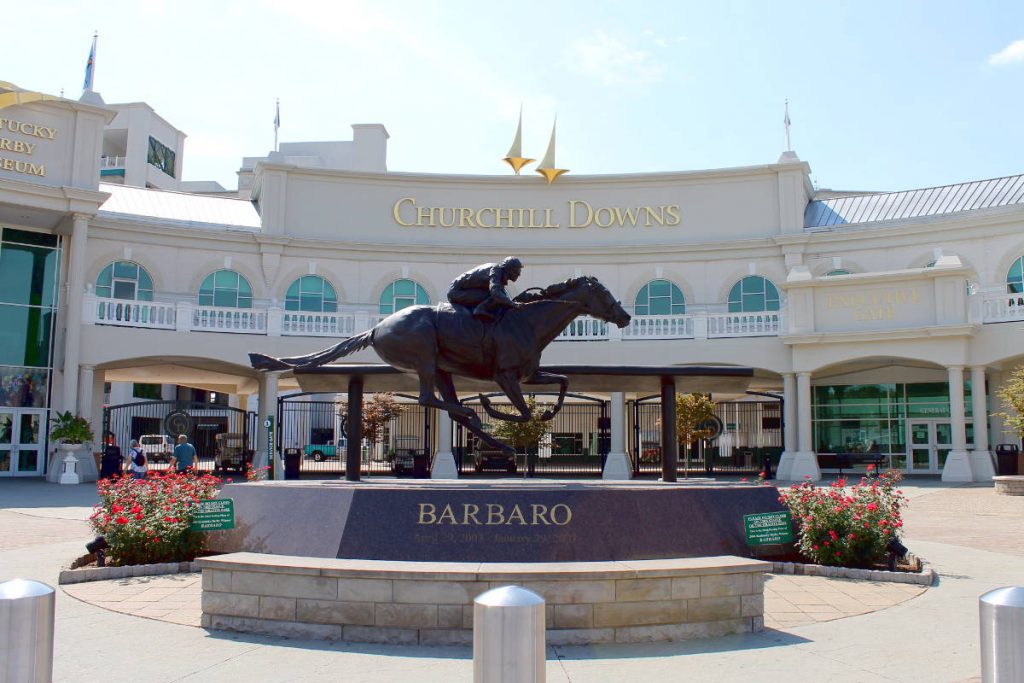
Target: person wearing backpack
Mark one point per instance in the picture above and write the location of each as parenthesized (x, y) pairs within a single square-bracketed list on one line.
[(137, 460)]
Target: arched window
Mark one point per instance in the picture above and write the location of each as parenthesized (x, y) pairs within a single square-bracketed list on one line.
[(1015, 277), (837, 271), (225, 288), (753, 294), (659, 297), (312, 294), (402, 293), (125, 280)]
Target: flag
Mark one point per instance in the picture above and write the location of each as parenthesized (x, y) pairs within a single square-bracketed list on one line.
[(90, 66), (277, 116), (786, 120)]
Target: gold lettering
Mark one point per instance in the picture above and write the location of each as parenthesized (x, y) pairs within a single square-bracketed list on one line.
[(466, 218), (533, 220), (480, 220), (469, 511), (673, 214), (516, 514), (548, 222), (5, 144), (495, 514), (622, 216), (7, 164), (398, 208), (567, 516), (503, 218), (442, 221), (604, 210), (427, 513), (573, 223), (540, 513), (424, 216), (658, 214), (447, 515), (518, 221)]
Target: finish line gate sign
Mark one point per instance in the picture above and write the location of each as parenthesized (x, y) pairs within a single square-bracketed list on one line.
[(768, 528), (213, 515)]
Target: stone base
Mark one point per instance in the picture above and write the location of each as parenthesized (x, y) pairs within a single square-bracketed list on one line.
[(444, 467), (85, 470), (617, 467), (982, 468), (1009, 485), (799, 466), (425, 603), (958, 467)]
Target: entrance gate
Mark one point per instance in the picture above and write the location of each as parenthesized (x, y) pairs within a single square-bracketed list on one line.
[(314, 425), (577, 442), (202, 422), (752, 430)]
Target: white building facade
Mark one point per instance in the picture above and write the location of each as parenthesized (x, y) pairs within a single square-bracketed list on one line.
[(887, 321)]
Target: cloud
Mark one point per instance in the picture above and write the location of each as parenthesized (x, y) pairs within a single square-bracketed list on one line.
[(612, 62), (1014, 52)]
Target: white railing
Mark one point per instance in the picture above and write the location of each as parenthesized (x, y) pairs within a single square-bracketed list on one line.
[(584, 328), (132, 313), (1002, 307), (319, 324), (113, 162), (764, 324), (237, 320), (660, 327)]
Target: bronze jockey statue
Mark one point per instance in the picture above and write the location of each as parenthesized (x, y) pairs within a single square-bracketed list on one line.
[(482, 289)]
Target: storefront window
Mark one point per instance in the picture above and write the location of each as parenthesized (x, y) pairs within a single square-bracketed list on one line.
[(400, 294), (227, 289), (312, 294), (753, 294), (125, 280), (660, 297)]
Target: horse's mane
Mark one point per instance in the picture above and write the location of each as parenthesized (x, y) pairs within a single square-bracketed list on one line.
[(556, 290)]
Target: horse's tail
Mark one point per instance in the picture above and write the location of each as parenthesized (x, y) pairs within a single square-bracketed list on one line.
[(349, 346)]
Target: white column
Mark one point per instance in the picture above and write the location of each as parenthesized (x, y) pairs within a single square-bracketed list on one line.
[(995, 380), (789, 425), (444, 460), (803, 465), (268, 408), (981, 457), (958, 465), (616, 465), (85, 400), (73, 315)]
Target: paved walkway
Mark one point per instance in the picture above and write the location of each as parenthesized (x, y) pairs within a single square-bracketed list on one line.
[(968, 534)]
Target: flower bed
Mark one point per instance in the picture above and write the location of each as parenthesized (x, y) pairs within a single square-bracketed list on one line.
[(847, 527), (147, 520)]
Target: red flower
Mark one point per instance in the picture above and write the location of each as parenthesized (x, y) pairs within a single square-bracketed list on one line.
[(116, 508), (121, 519), (743, 479), (136, 509), (871, 468), (168, 518), (872, 507)]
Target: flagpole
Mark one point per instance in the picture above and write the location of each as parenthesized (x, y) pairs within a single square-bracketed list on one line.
[(789, 147), (277, 121)]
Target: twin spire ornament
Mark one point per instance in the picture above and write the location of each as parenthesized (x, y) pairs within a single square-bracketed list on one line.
[(517, 161)]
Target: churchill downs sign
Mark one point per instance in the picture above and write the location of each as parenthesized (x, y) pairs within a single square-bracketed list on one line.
[(577, 214)]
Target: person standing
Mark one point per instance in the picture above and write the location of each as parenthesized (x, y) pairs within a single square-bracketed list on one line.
[(184, 456), (137, 465), (112, 461)]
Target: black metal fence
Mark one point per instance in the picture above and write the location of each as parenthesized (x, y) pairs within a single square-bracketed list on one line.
[(314, 425), (156, 424), (575, 446), (752, 431)]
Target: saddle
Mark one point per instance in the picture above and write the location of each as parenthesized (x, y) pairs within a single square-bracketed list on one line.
[(463, 337)]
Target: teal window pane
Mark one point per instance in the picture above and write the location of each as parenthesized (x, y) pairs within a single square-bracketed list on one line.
[(404, 287), (328, 291), (293, 291), (386, 309), (103, 280), (659, 297), (403, 302), (145, 282), (659, 288), (27, 275), (144, 295), (421, 296), (123, 289), (311, 284), (126, 269), (838, 271), (38, 239), (225, 279), (401, 293), (207, 286), (225, 297), (1015, 277), (206, 298), (244, 301), (25, 336), (310, 293), (244, 289), (311, 303)]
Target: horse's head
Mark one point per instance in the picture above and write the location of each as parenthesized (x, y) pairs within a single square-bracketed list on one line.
[(597, 301)]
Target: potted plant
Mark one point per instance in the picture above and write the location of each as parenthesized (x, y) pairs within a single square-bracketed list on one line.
[(71, 430)]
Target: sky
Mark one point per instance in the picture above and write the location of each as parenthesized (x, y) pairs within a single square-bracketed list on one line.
[(882, 95)]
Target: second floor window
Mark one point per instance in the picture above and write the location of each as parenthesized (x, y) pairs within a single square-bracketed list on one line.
[(659, 297), (1015, 277), (753, 294), (312, 294), (227, 289), (402, 293), (125, 280)]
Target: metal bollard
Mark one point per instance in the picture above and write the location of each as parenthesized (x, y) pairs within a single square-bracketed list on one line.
[(508, 636), (26, 631), (1002, 632)]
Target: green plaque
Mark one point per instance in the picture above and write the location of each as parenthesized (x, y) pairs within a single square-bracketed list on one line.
[(768, 528), (213, 515)]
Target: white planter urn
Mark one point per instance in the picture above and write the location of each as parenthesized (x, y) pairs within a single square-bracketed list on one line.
[(84, 466)]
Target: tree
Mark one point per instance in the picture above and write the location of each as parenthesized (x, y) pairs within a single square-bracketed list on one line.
[(378, 413), (691, 411), (522, 435), (1012, 395)]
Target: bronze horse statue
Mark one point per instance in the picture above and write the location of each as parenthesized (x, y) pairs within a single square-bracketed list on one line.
[(437, 342)]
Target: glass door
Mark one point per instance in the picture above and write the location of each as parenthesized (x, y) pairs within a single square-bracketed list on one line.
[(22, 437), (943, 443), (922, 457)]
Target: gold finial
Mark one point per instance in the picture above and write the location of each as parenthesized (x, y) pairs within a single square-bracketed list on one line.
[(515, 157), (547, 164)]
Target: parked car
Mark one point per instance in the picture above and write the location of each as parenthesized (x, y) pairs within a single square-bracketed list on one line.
[(326, 451), (492, 458), (157, 447), (405, 451), (232, 452)]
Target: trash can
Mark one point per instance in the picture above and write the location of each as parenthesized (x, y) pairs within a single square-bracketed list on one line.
[(766, 467), (110, 463), (420, 465), (292, 463), (1006, 459)]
